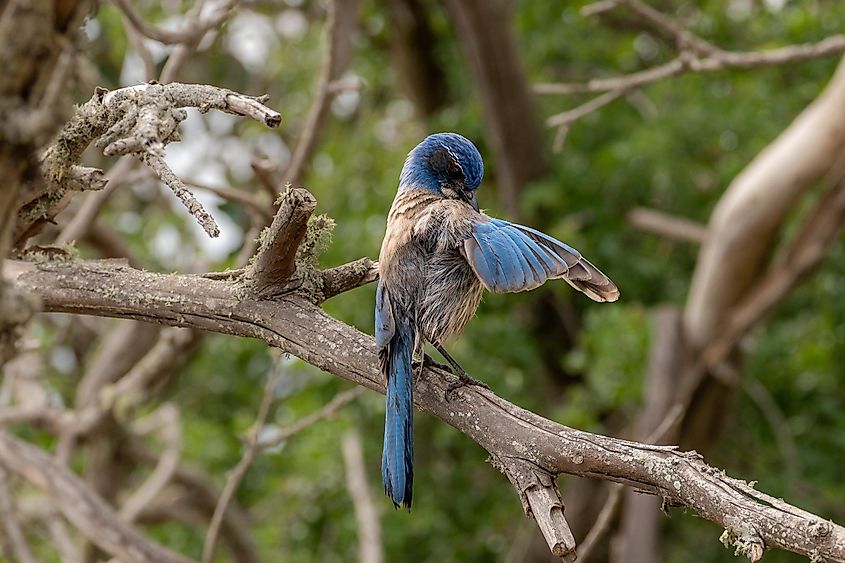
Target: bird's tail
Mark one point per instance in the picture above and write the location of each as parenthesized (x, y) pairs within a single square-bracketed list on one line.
[(397, 458)]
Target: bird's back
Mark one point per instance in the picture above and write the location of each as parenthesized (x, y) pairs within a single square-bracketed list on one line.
[(421, 259)]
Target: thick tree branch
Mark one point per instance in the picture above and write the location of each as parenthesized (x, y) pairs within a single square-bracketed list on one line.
[(744, 224), (509, 433)]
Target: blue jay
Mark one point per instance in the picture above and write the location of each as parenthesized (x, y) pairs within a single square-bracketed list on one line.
[(438, 255)]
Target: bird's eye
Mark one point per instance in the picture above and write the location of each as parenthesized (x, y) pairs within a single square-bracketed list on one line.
[(455, 171)]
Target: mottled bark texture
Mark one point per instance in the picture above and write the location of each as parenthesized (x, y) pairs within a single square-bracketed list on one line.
[(518, 441)]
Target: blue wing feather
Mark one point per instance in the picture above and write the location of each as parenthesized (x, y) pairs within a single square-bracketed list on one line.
[(510, 257)]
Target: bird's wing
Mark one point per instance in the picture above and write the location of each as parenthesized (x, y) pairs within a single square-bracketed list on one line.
[(509, 257), (385, 325)]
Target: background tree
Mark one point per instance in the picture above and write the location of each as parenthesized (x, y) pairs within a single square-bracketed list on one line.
[(702, 170)]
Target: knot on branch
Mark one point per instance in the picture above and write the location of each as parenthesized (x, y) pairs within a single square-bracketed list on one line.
[(541, 500), (746, 540)]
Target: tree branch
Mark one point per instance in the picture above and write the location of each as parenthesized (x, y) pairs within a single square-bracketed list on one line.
[(275, 261), (85, 510), (340, 26), (509, 433), (139, 120), (192, 32), (370, 548), (695, 55)]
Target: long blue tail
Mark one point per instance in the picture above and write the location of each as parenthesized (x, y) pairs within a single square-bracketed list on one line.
[(397, 457)]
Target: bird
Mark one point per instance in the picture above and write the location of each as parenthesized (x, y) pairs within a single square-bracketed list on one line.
[(439, 254)]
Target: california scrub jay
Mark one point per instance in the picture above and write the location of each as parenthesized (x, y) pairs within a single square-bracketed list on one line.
[(439, 253)]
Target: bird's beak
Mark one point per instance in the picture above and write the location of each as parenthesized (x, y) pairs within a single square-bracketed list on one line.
[(471, 197)]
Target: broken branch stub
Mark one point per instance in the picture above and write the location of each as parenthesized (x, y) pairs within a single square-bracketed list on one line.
[(275, 261)]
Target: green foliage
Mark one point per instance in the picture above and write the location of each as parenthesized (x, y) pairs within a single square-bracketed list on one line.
[(675, 148)]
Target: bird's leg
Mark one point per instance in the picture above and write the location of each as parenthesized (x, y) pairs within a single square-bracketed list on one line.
[(464, 379), (429, 362)]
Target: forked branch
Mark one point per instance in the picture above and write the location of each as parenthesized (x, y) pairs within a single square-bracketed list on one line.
[(294, 324)]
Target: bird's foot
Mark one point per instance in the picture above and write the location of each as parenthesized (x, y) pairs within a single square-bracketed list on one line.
[(464, 380), (427, 362)]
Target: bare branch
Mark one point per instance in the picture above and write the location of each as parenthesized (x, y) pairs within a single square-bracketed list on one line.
[(341, 27), (11, 524), (67, 549), (248, 200), (805, 251), (669, 226), (194, 207), (566, 118), (275, 261), (370, 549), (347, 277), (189, 34), (745, 222), (509, 433), (139, 120), (696, 55), (253, 448), (278, 436), (169, 424), (723, 60), (84, 509), (602, 525), (684, 38)]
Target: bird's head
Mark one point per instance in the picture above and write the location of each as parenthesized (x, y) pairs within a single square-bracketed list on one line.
[(446, 164)]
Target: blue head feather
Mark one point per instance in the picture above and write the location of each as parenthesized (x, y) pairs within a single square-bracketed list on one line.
[(443, 160)]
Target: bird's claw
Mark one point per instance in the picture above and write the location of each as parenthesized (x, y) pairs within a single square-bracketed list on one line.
[(464, 380)]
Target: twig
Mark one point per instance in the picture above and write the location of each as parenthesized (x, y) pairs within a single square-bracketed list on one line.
[(833, 45), (566, 118), (237, 474), (67, 549), (277, 436), (196, 491), (192, 32), (340, 25), (169, 423), (85, 216), (669, 226), (263, 168), (684, 38), (246, 199), (11, 525), (194, 207), (348, 276), (141, 120), (370, 549), (194, 18), (602, 524), (696, 55), (137, 42), (780, 428)]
